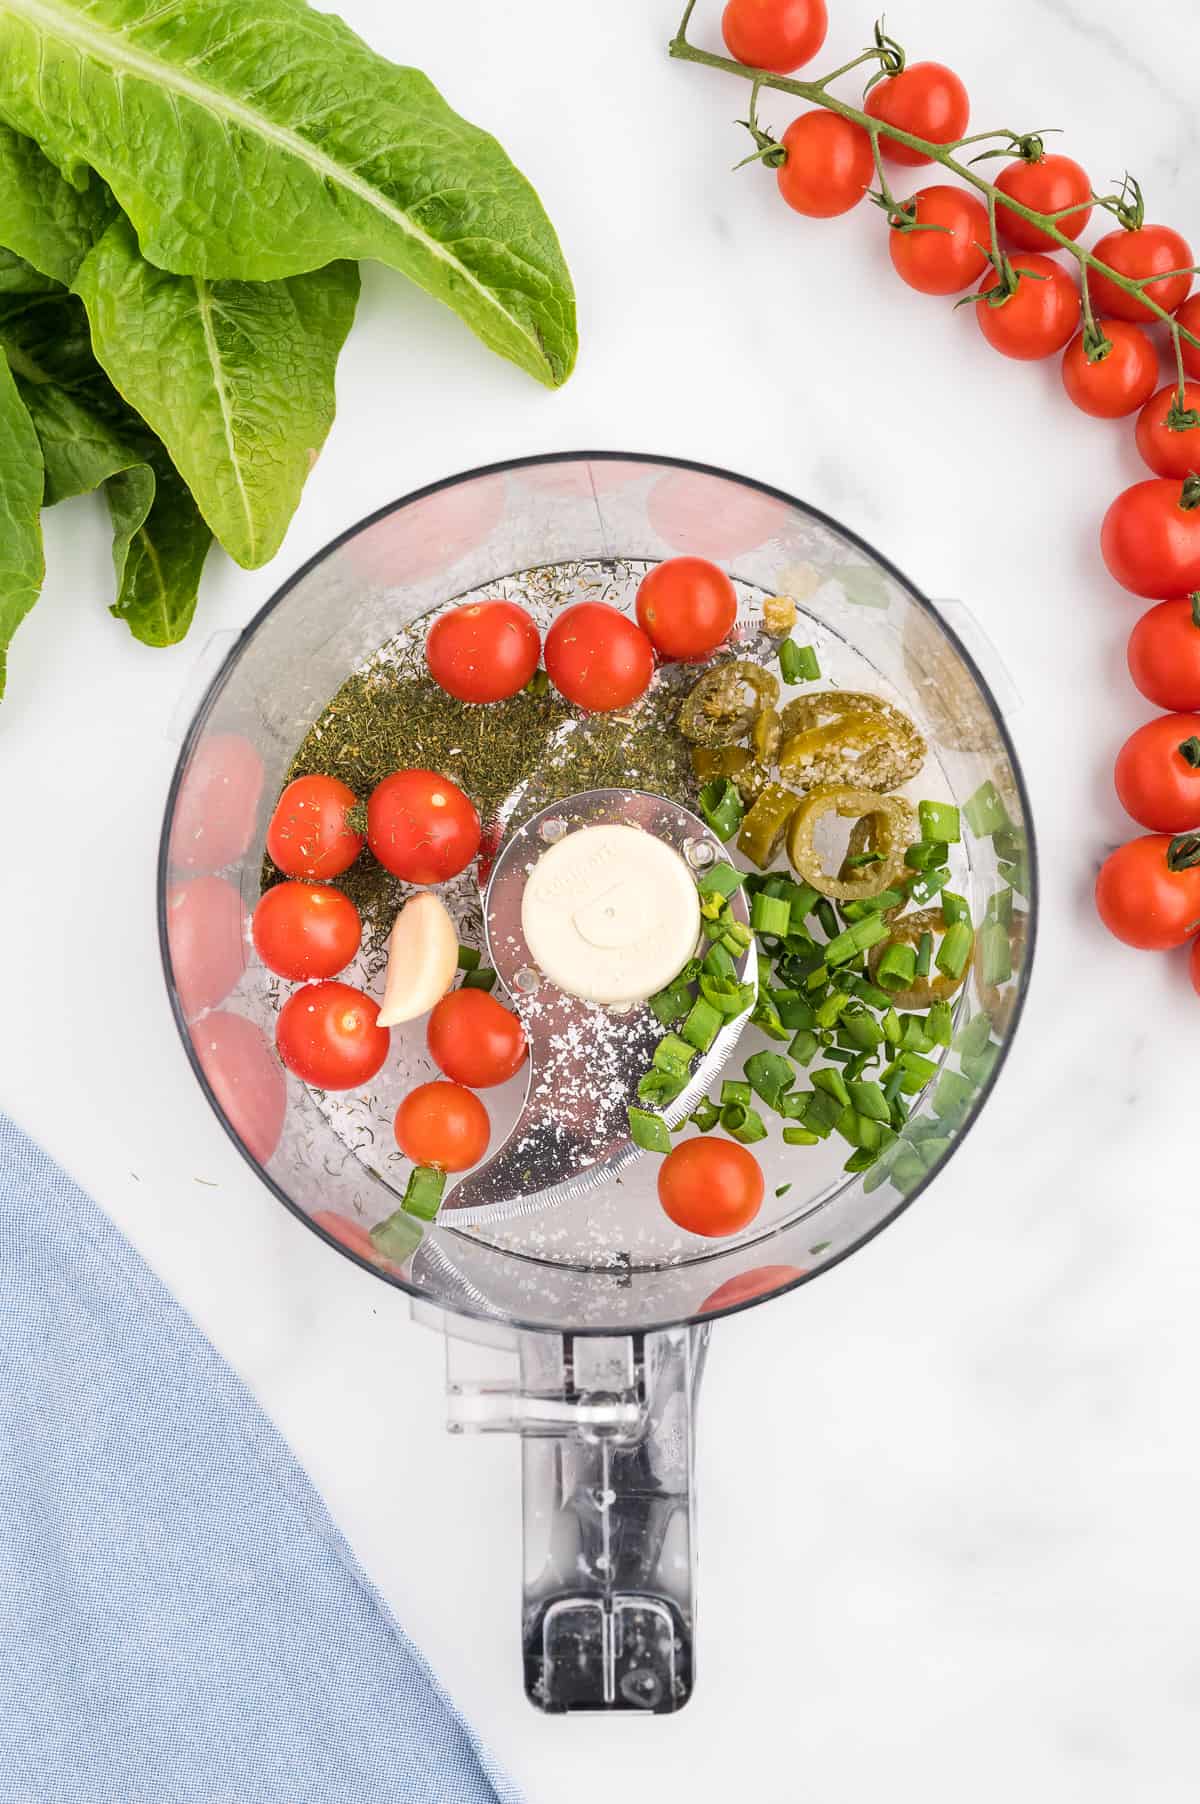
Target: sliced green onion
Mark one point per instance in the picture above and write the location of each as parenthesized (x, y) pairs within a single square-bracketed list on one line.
[(793, 1103), (939, 820), (914, 1034), (398, 1237), (423, 1192), (917, 1068), (972, 1039), (482, 978), (804, 1046), (833, 1085), (659, 1087), (925, 856), (765, 1016), (954, 1094), (720, 880), (706, 1115), (1018, 875), (868, 1099), (924, 954), (955, 950), (743, 1124), (703, 1024), (856, 939), (892, 1085), (861, 1029), (769, 1074), (794, 1009), (897, 969), (886, 900), (985, 811), (999, 908), (725, 996), (721, 808), (672, 1004), (648, 1131), (940, 1023), (798, 663), (734, 1091), (866, 992), (468, 958), (770, 914), (996, 950), (673, 1054), (955, 908), (926, 885), (829, 1010), (799, 1136), (825, 915), (717, 962), (978, 1069)]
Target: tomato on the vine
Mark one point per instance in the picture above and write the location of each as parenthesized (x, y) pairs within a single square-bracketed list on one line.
[(829, 164), (484, 652), (328, 1035), (1188, 316), (710, 1187), (1158, 774), (687, 607), (1148, 250), (475, 1040), (1116, 383), (1034, 319), (1148, 891), (780, 35), (1150, 539), (1171, 450), (926, 99), (442, 1125), (1164, 654), (309, 835), (598, 658), (303, 930), (421, 827), (946, 249), (1045, 184)]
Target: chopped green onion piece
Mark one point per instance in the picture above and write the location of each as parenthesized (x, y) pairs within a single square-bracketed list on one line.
[(825, 915), (733, 1090), (717, 962), (659, 1087), (985, 811), (538, 684), (769, 1074), (705, 1115), (798, 663), (914, 1035), (840, 1055), (892, 1084), (868, 1099), (712, 907), (861, 1029), (1017, 875), (703, 1024), (831, 1008), (770, 914), (798, 1136), (822, 1112), (925, 885), (972, 1039), (725, 997), (833, 1084), (648, 1131), (924, 954), (920, 1070), (398, 1237), (468, 958), (891, 1027), (737, 936), (999, 908), (955, 950), (792, 1104), (866, 992), (997, 953), (874, 905), (765, 1016), (857, 861), (924, 857), (804, 1046), (721, 808), (940, 1023), (720, 880), (954, 1093), (939, 821), (794, 1010), (672, 1004), (856, 939), (423, 1192), (743, 1124), (673, 1054), (817, 979), (955, 908), (482, 978), (897, 969), (977, 1070)]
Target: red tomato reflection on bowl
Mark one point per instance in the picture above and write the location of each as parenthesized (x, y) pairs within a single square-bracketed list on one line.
[(429, 535), (206, 935), (246, 1078), (710, 517), (217, 804), (747, 1285), (354, 1236), (572, 480)]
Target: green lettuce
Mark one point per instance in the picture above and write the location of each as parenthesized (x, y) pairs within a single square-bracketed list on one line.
[(22, 565)]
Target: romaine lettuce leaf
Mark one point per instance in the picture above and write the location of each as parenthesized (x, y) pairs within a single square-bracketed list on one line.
[(22, 565)]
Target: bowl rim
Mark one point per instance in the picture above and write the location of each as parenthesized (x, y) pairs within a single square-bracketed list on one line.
[(500, 467)]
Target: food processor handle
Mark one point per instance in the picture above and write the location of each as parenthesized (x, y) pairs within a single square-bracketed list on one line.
[(607, 1428)]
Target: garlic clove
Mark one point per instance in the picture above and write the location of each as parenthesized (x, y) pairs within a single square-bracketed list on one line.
[(422, 960)]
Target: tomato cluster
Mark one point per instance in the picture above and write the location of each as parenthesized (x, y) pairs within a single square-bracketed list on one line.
[(1028, 305)]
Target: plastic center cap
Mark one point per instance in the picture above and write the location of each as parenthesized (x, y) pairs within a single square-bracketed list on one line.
[(610, 914)]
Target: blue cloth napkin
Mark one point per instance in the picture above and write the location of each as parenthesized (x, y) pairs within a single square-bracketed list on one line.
[(180, 1621)]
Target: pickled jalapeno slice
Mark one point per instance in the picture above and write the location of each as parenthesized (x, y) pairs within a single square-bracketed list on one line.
[(938, 986), (765, 736), (892, 822), (765, 826), (717, 711), (846, 736)]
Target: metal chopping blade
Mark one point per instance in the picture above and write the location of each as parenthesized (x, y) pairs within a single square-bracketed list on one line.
[(585, 1059)]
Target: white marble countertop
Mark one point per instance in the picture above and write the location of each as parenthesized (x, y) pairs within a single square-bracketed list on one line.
[(948, 1494)]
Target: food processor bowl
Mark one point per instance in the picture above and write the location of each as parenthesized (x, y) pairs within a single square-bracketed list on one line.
[(581, 1324)]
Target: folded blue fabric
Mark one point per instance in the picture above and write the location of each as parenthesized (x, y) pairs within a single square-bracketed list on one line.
[(180, 1621)]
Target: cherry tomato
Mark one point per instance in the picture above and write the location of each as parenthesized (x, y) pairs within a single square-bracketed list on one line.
[(1148, 893), (1188, 316), (1119, 382), (953, 252), (328, 1035), (780, 35), (1038, 318), (1194, 965), (1150, 538), (687, 607), (1150, 250), (244, 1076), (598, 658), (304, 930), (421, 827), (710, 1187), (1170, 451), (206, 934), (442, 1125), (354, 1235), (747, 1286), (308, 835), (1045, 184), (475, 1040), (926, 99), (1158, 774), (829, 164), (217, 804), (1164, 654), (483, 653)]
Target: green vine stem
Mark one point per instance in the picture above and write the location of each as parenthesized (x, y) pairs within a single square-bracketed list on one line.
[(886, 54)]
